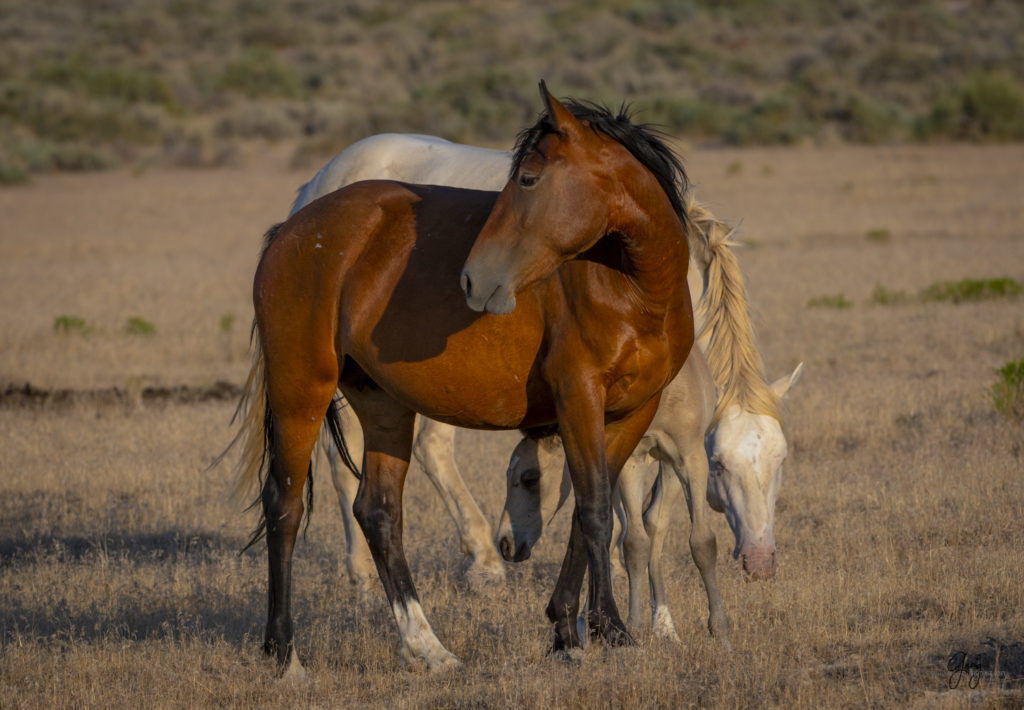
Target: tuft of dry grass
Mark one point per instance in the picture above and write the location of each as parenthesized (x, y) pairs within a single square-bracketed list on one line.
[(898, 524)]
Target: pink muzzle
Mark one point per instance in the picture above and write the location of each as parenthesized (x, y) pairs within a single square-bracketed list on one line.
[(757, 563)]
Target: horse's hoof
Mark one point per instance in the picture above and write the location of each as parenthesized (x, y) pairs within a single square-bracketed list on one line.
[(663, 627), (568, 656), (292, 670), (618, 636), (483, 576), (719, 630), (436, 662)]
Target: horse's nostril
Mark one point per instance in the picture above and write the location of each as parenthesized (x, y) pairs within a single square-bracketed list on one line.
[(506, 548), (467, 285)]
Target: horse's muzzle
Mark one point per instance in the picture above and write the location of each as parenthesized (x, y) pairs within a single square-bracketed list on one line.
[(757, 567), (492, 298), (513, 554)]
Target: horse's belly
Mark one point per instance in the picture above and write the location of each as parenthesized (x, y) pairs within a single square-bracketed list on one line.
[(465, 394), (454, 365)]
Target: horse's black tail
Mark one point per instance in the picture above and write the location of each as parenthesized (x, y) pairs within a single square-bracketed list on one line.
[(338, 436)]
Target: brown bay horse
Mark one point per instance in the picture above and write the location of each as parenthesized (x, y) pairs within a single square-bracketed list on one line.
[(572, 311)]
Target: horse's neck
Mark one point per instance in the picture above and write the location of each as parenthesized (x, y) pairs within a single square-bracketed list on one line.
[(654, 243)]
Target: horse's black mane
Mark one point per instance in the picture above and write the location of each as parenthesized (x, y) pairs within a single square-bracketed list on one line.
[(644, 141)]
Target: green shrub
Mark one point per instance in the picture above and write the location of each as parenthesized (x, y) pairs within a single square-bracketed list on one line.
[(227, 322), (971, 290), (139, 326), (884, 297), (878, 234), (780, 117), (863, 119), (838, 301), (258, 71), (985, 107), (68, 325), (12, 174), (1008, 391), (81, 74)]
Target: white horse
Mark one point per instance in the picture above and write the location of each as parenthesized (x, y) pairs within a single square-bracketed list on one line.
[(748, 444), (537, 488), (745, 445)]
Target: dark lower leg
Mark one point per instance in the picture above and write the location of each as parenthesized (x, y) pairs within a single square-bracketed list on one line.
[(565, 600), (603, 620), (282, 513)]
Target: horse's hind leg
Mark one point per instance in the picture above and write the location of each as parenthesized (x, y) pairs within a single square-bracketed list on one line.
[(435, 451), (358, 560), (296, 422), (387, 440)]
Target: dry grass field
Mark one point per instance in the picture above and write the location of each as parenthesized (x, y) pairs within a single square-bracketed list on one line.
[(899, 527)]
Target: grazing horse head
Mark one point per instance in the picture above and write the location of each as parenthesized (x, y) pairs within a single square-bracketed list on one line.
[(746, 451), (535, 491)]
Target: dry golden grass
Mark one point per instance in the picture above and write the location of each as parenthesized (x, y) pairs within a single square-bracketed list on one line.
[(899, 526)]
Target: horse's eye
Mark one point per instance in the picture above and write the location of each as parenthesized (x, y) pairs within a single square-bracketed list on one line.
[(530, 479), (528, 180)]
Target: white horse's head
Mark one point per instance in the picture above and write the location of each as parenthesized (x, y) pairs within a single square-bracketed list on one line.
[(535, 490), (746, 452)]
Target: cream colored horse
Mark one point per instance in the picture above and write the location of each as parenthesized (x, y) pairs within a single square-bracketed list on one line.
[(745, 445), (536, 490)]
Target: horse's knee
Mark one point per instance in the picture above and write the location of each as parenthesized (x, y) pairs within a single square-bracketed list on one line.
[(595, 521), (434, 443), (703, 547), (637, 546)]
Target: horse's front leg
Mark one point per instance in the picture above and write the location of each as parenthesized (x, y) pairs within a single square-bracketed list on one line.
[(636, 544), (595, 454), (703, 546), (387, 441), (657, 522)]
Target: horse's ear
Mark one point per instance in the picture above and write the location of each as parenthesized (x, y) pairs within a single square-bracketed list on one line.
[(782, 385), (562, 119)]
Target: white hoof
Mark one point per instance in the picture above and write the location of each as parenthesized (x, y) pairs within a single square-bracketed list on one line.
[(662, 625), (485, 574), (293, 671), (420, 647), (437, 662)]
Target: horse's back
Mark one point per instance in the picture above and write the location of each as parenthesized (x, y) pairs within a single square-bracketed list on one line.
[(408, 158)]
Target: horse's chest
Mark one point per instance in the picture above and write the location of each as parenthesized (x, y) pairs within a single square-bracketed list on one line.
[(641, 370)]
